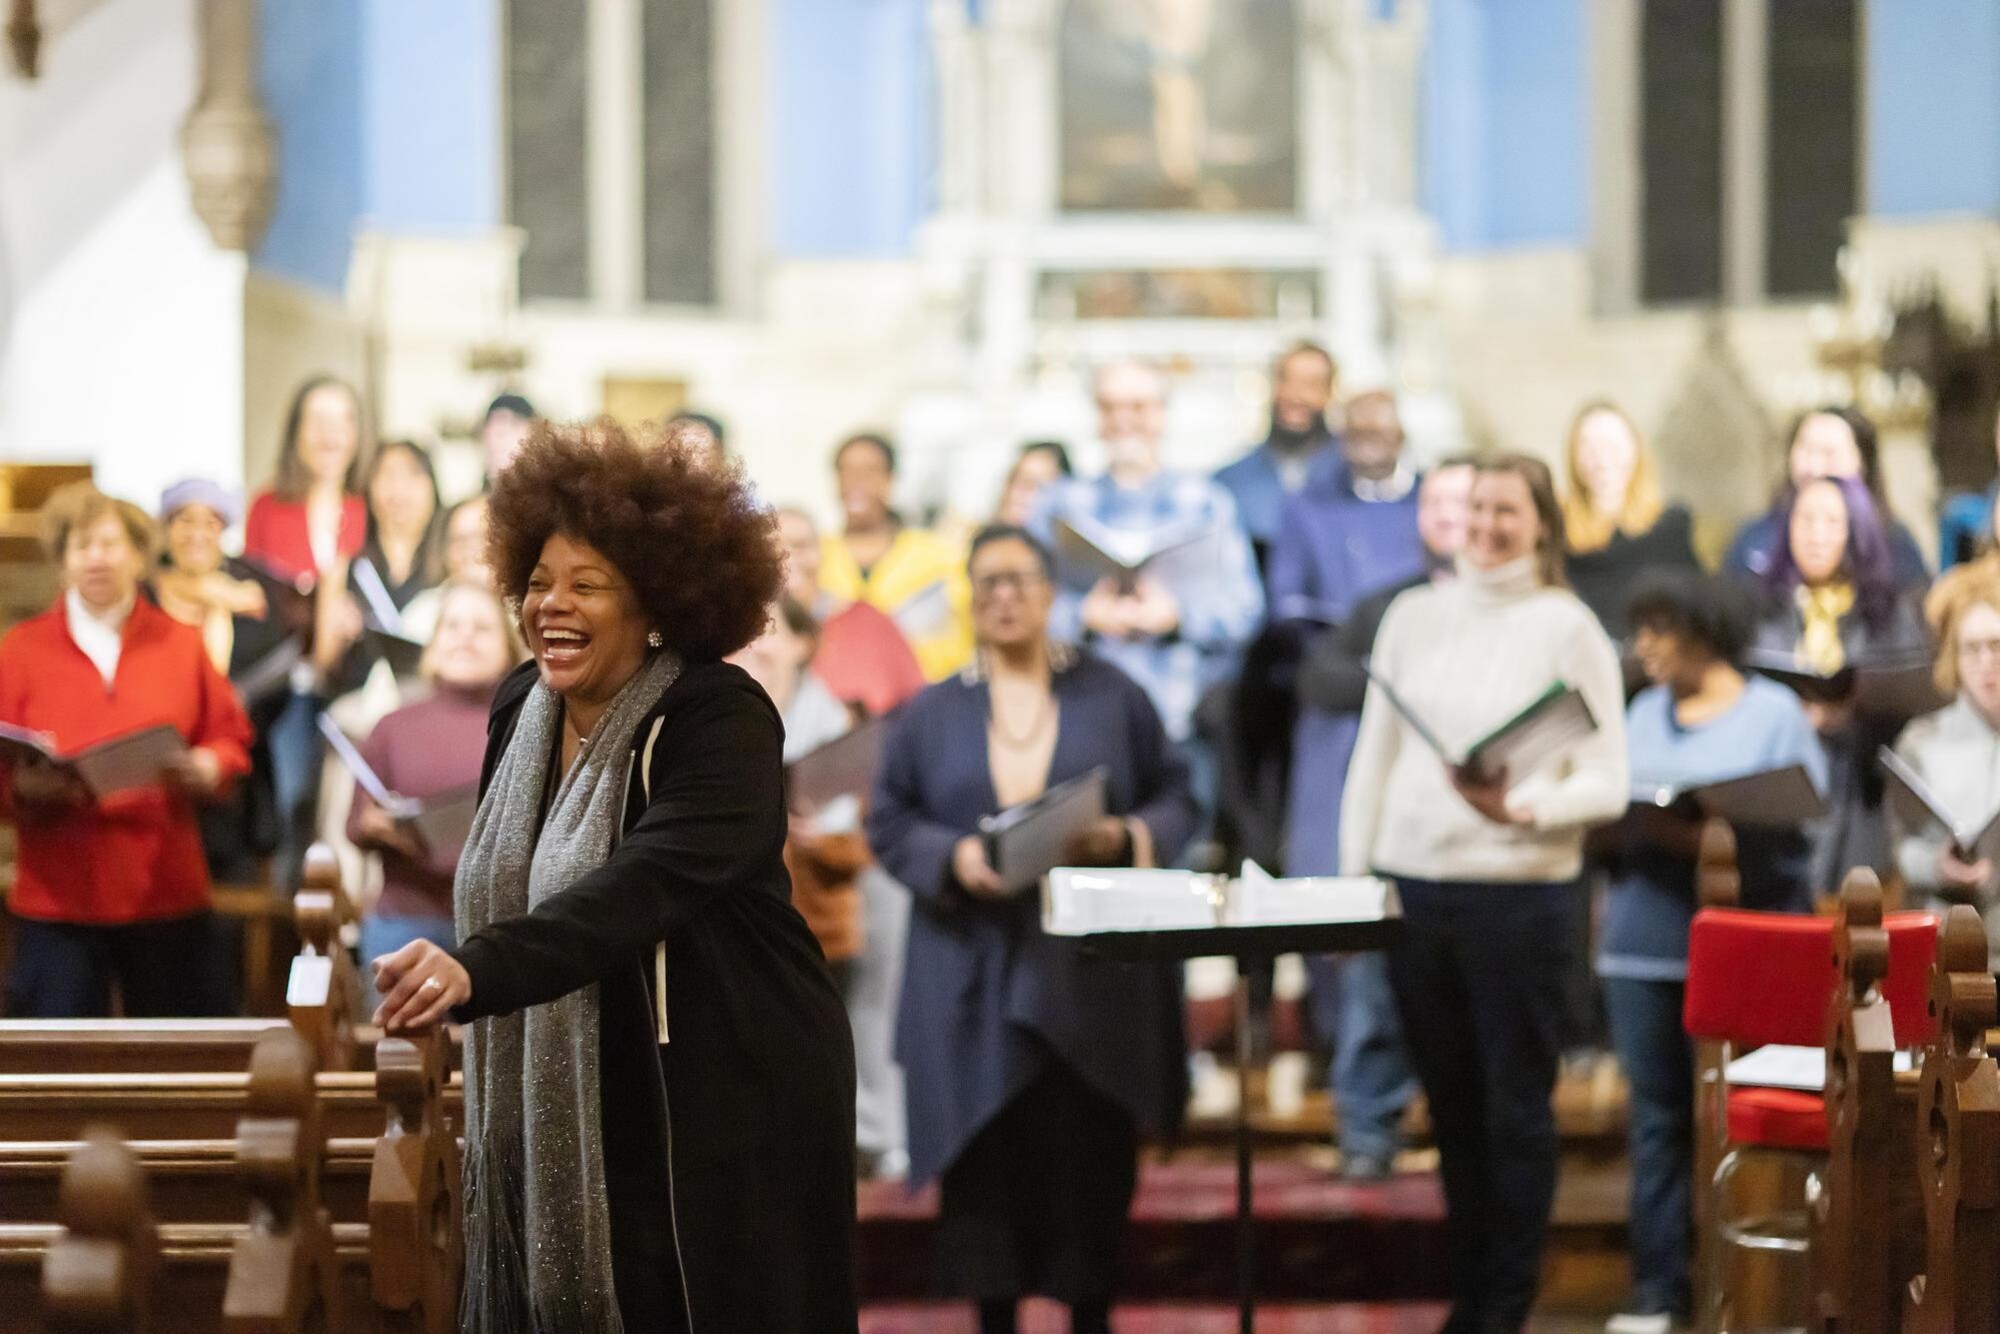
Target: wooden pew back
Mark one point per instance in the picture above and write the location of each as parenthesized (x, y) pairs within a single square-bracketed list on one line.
[(1958, 1137), (97, 1277)]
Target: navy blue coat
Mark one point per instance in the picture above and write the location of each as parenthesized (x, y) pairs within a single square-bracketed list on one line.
[(1333, 550), (988, 1000)]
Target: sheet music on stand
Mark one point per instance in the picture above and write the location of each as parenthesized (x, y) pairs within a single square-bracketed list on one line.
[(1086, 901)]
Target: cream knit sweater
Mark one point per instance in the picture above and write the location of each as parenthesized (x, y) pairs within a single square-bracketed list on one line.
[(1465, 655)]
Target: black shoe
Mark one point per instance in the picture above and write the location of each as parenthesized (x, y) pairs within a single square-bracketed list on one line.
[(1362, 1168)]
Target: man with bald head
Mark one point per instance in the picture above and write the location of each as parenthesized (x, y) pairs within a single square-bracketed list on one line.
[(1352, 529), (1178, 629)]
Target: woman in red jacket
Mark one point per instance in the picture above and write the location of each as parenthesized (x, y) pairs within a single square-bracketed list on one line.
[(307, 526), (313, 515), (112, 891)]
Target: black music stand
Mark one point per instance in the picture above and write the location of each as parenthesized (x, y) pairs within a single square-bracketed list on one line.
[(1244, 944)]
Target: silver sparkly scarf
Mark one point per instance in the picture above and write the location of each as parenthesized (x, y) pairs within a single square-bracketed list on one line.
[(537, 1225)]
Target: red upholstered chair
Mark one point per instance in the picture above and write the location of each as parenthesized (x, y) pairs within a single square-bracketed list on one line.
[(1756, 979)]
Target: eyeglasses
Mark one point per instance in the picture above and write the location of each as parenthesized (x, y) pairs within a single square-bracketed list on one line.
[(1979, 648), (1015, 581)]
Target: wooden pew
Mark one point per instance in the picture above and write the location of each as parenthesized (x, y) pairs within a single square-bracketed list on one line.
[(405, 1257), (1958, 1159), (1717, 884), (97, 1277), (416, 1208), (323, 997), (1867, 1215), (282, 1275)]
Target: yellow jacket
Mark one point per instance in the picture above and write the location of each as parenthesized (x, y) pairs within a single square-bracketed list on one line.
[(920, 583)]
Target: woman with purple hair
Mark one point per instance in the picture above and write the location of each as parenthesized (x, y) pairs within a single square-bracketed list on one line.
[(1836, 604)]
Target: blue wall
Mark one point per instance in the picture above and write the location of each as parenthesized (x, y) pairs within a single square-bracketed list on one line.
[(851, 142), (312, 61), (1933, 107), (1504, 139), (388, 115), (432, 94)]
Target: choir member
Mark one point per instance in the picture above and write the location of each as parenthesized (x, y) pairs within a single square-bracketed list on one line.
[(464, 563), (508, 422), (1354, 529), (221, 597), (1031, 1066), (1302, 388), (1700, 720), (1956, 751), (304, 528), (624, 883), (1618, 527), (1835, 602), (909, 573), (1965, 521), (1827, 442), (112, 892), (1178, 630), (1039, 465), (1486, 865), (401, 557), (861, 655)]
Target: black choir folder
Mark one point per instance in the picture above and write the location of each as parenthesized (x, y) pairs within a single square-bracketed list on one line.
[(1769, 799), (441, 822), (1025, 842), (116, 764), (1920, 808), (843, 767), (1897, 688), (1541, 730), (1082, 901), (1098, 551)]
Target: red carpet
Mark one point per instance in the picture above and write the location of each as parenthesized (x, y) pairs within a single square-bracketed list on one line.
[(1318, 1240), (1040, 1317)]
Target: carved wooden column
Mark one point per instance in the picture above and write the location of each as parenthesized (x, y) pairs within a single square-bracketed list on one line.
[(1958, 1155), (1868, 1190), (227, 146)]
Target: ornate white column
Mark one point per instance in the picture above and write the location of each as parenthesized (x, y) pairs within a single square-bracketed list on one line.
[(227, 147)]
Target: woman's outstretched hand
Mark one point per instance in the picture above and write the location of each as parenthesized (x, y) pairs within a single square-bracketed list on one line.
[(420, 983)]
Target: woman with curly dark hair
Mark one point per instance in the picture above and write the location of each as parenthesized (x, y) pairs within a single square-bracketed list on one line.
[(625, 878)]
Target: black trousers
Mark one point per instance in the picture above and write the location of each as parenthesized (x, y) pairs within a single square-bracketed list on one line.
[(168, 969), (1037, 1202), (1479, 976)]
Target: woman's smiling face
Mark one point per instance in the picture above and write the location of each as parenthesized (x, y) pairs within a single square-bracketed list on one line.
[(582, 621)]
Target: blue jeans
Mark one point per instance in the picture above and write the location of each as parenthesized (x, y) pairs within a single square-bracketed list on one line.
[(1479, 980), (1354, 1010), (1658, 1060), (170, 969), (385, 934), (294, 742)]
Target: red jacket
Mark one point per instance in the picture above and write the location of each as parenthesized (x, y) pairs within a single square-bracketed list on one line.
[(137, 857), (275, 534)]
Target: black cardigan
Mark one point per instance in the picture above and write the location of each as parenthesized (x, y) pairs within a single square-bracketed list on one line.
[(751, 1100)]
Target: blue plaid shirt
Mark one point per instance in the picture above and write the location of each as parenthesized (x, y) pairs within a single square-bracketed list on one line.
[(1216, 585)]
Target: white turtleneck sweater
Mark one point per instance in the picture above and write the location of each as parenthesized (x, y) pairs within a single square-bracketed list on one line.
[(1466, 655)]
